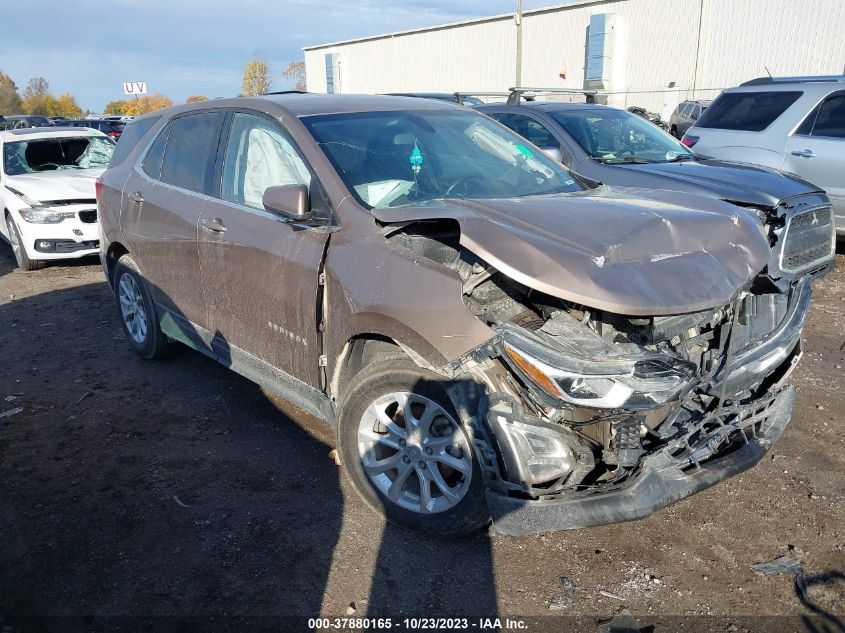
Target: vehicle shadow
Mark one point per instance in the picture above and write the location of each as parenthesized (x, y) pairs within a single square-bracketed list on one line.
[(8, 263), (177, 495), (823, 621), (7, 258), (174, 491)]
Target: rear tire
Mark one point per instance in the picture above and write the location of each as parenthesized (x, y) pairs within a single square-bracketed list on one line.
[(137, 311), (16, 241), (399, 435)]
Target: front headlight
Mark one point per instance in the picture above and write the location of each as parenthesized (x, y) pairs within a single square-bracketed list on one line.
[(631, 384), (43, 215)]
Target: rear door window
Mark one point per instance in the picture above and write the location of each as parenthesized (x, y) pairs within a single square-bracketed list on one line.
[(192, 151), (529, 128), (132, 133), (747, 111)]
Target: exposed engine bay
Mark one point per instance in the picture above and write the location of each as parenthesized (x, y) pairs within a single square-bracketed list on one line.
[(580, 398)]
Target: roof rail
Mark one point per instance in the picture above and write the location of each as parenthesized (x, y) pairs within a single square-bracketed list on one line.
[(285, 92), (517, 94), (760, 81), (459, 96)]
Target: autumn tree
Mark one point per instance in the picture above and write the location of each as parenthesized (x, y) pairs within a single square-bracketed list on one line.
[(67, 107), (256, 78), (295, 72), (146, 103), (195, 99), (10, 100), (35, 96)]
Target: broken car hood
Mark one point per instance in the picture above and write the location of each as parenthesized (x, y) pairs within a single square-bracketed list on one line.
[(59, 184), (628, 251), (735, 182)]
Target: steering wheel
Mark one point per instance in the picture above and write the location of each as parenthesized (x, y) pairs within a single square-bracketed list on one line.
[(43, 165), (462, 181)]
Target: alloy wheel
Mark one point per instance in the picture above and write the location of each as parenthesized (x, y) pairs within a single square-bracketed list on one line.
[(132, 308), (415, 453)]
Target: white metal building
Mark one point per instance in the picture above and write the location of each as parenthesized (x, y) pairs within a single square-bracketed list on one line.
[(652, 53)]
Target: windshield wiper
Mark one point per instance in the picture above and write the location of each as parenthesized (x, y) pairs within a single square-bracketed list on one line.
[(622, 159)]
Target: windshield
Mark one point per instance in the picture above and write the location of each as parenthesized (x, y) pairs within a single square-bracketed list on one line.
[(392, 159), (46, 154), (615, 136)]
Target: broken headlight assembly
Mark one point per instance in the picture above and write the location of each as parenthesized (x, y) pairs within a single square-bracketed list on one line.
[(644, 383), (43, 215), (35, 213)]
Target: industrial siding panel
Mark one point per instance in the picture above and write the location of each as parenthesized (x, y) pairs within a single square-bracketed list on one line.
[(654, 44)]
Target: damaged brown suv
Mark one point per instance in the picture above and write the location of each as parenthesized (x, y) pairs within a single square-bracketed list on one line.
[(491, 336)]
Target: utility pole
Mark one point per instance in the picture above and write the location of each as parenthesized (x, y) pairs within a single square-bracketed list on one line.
[(518, 19), (697, 47)]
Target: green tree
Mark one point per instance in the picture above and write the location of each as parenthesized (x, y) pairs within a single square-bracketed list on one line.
[(10, 100), (115, 107), (295, 72), (35, 96), (256, 78)]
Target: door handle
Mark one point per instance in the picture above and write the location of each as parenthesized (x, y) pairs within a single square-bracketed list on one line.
[(215, 225), (804, 153), (136, 196)]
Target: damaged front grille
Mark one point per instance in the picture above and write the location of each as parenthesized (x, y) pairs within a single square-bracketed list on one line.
[(807, 238)]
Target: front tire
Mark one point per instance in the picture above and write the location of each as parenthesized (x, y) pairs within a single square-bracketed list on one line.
[(406, 453), (15, 239), (137, 310)]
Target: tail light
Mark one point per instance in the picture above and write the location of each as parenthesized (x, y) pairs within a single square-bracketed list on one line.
[(98, 187), (114, 135), (689, 141)]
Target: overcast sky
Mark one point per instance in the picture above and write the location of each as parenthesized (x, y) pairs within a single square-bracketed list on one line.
[(185, 47)]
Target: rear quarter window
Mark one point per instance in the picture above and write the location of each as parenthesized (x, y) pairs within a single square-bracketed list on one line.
[(132, 133), (747, 111)]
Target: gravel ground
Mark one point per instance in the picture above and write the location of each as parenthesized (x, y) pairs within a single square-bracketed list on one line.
[(177, 489)]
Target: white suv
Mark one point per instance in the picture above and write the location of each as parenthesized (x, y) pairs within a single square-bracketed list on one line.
[(795, 124), (47, 192)]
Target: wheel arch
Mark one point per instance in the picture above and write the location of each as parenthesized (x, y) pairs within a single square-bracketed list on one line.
[(115, 251), (362, 349)]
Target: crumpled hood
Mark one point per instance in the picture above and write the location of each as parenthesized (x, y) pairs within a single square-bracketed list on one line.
[(59, 184), (629, 251), (736, 182)]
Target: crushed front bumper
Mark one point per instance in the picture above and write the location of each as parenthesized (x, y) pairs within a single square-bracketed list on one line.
[(661, 481)]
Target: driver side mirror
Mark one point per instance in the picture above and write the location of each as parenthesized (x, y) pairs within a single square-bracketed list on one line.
[(554, 153), (290, 201)]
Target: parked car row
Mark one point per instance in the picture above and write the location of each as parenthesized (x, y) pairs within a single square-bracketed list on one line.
[(556, 319), (110, 125), (793, 124)]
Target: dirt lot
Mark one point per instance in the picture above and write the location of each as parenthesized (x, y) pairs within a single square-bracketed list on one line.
[(177, 488)]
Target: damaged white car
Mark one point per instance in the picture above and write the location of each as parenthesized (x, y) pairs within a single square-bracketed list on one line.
[(47, 192)]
